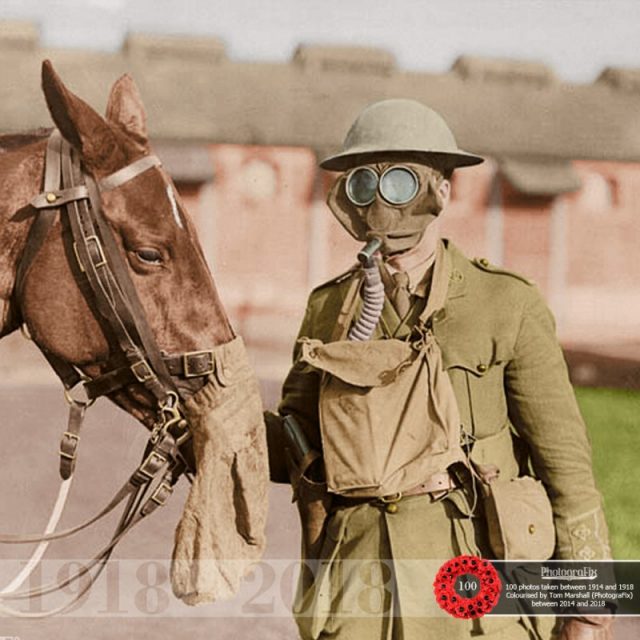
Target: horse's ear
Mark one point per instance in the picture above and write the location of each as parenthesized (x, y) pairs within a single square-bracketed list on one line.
[(125, 109), (80, 125)]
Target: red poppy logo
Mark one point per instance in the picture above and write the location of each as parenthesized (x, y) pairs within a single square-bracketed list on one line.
[(467, 587)]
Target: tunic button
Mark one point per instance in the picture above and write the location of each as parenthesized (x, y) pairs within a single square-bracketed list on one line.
[(532, 529), (392, 507), (482, 368), (484, 262)]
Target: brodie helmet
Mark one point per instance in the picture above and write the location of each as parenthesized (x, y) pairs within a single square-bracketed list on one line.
[(400, 126)]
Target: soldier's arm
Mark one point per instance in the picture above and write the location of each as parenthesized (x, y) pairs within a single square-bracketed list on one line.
[(543, 408), (300, 400), (302, 385)]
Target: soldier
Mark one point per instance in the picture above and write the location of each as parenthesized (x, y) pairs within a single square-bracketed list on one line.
[(428, 392)]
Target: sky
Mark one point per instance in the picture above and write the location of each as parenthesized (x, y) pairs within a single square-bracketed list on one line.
[(577, 38)]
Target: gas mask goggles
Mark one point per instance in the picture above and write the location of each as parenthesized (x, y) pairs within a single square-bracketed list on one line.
[(390, 201)]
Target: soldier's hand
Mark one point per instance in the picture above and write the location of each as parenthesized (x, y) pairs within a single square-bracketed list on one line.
[(587, 628)]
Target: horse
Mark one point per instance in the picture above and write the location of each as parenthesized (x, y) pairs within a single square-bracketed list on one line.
[(101, 265)]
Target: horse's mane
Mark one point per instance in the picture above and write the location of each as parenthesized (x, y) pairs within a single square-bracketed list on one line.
[(11, 141)]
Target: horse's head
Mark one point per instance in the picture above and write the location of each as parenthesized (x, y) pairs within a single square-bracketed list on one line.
[(152, 232), (113, 283)]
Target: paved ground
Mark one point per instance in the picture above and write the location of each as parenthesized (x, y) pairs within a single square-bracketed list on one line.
[(33, 419), (134, 599)]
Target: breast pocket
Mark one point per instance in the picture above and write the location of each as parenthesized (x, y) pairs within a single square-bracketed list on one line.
[(477, 376)]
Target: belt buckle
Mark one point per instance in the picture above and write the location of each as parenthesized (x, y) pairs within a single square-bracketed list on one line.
[(391, 498), (142, 371), (150, 466), (196, 374), (390, 502), (72, 440), (100, 260)]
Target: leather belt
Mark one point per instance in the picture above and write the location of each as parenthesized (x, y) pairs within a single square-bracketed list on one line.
[(436, 487), (437, 483)]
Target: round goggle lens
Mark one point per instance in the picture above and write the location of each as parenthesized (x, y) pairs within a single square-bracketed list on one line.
[(361, 186), (398, 185)]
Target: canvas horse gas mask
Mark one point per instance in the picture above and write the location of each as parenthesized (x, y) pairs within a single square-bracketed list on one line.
[(391, 187)]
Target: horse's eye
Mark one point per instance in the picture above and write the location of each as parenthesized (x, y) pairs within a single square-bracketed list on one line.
[(149, 255)]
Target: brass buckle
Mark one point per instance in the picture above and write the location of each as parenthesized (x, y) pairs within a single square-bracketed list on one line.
[(151, 464), (390, 499), (101, 261), (185, 364), (142, 371), (162, 493), (76, 439)]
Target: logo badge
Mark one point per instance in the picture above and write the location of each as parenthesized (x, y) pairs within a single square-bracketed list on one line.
[(467, 587)]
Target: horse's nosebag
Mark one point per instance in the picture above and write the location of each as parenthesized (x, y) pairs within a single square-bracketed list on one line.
[(221, 532)]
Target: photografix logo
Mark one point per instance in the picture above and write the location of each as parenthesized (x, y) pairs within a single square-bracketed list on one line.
[(571, 573)]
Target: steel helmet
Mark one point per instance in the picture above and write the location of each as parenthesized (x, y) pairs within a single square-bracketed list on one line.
[(400, 126)]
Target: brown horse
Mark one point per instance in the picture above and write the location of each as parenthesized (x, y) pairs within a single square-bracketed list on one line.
[(158, 249)]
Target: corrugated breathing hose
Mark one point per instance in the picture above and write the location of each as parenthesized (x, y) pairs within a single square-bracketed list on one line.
[(373, 294)]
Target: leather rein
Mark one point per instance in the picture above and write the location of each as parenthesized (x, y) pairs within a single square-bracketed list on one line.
[(135, 358)]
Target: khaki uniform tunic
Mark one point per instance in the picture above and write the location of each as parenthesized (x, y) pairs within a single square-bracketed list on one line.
[(510, 380)]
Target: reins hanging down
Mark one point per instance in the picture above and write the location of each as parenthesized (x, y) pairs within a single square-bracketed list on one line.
[(103, 276)]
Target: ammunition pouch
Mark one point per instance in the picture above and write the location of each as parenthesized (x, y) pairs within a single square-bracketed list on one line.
[(519, 519)]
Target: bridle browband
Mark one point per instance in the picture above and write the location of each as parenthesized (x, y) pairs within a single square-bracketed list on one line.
[(103, 277)]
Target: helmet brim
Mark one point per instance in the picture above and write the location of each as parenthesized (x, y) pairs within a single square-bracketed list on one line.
[(442, 160)]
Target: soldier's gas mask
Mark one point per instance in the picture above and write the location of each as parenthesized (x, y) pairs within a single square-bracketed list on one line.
[(392, 201)]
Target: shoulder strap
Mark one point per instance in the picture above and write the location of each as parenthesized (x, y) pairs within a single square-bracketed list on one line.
[(348, 309), (439, 285)]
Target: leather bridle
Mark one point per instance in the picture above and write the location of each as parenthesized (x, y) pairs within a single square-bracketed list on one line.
[(100, 265), (135, 358)]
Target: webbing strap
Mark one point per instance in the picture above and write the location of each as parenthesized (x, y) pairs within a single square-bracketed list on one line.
[(44, 219), (138, 507), (37, 234), (71, 439), (39, 551), (128, 303), (348, 309), (161, 454), (56, 198), (439, 283)]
